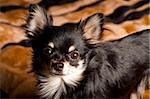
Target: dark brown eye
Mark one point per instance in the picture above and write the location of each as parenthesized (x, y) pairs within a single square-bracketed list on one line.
[(47, 50), (74, 55)]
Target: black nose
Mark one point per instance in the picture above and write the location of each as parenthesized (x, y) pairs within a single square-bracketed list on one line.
[(58, 66)]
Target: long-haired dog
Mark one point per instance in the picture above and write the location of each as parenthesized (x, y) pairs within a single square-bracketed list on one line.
[(71, 63)]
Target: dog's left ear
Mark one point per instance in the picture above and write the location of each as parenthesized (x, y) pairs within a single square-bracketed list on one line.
[(38, 19), (92, 27)]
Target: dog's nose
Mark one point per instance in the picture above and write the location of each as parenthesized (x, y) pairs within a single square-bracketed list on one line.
[(58, 66)]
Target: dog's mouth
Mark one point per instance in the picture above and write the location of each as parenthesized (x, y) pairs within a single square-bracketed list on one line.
[(57, 74), (67, 70)]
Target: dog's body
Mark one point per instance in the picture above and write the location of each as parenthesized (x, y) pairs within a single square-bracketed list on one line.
[(69, 66), (116, 68)]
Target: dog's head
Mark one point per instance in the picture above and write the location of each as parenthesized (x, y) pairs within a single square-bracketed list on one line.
[(59, 51)]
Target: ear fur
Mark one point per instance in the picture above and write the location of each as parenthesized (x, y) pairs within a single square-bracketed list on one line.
[(92, 27), (37, 20)]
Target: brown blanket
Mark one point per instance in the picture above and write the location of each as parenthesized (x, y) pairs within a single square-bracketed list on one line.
[(123, 17)]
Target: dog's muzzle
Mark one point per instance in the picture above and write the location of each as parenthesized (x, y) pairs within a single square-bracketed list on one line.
[(57, 68)]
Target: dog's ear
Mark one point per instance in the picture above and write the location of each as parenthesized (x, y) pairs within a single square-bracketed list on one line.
[(38, 19), (92, 27)]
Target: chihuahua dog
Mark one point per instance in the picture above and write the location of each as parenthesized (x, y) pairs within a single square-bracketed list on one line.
[(70, 62)]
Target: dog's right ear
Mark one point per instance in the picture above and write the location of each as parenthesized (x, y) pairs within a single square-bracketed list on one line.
[(38, 19), (93, 27)]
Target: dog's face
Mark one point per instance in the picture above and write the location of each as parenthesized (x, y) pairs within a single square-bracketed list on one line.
[(59, 51)]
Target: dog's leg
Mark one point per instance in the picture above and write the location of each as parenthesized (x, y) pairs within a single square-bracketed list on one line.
[(142, 87)]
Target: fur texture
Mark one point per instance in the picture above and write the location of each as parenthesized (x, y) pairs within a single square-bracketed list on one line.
[(71, 64)]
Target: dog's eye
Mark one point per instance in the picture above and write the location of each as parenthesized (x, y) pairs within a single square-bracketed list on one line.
[(74, 55), (47, 50)]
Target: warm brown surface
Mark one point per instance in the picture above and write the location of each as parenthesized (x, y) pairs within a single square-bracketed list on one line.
[(15, 62), (146, 94), (15, 79)]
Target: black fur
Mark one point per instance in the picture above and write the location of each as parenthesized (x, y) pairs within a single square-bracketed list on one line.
[(113, 69), (117, 67)]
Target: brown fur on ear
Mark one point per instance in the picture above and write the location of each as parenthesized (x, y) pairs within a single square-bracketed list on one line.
[(92, 27), (37, 20)]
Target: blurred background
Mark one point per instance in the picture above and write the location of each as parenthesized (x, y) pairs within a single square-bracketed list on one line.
[(122, 18)]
